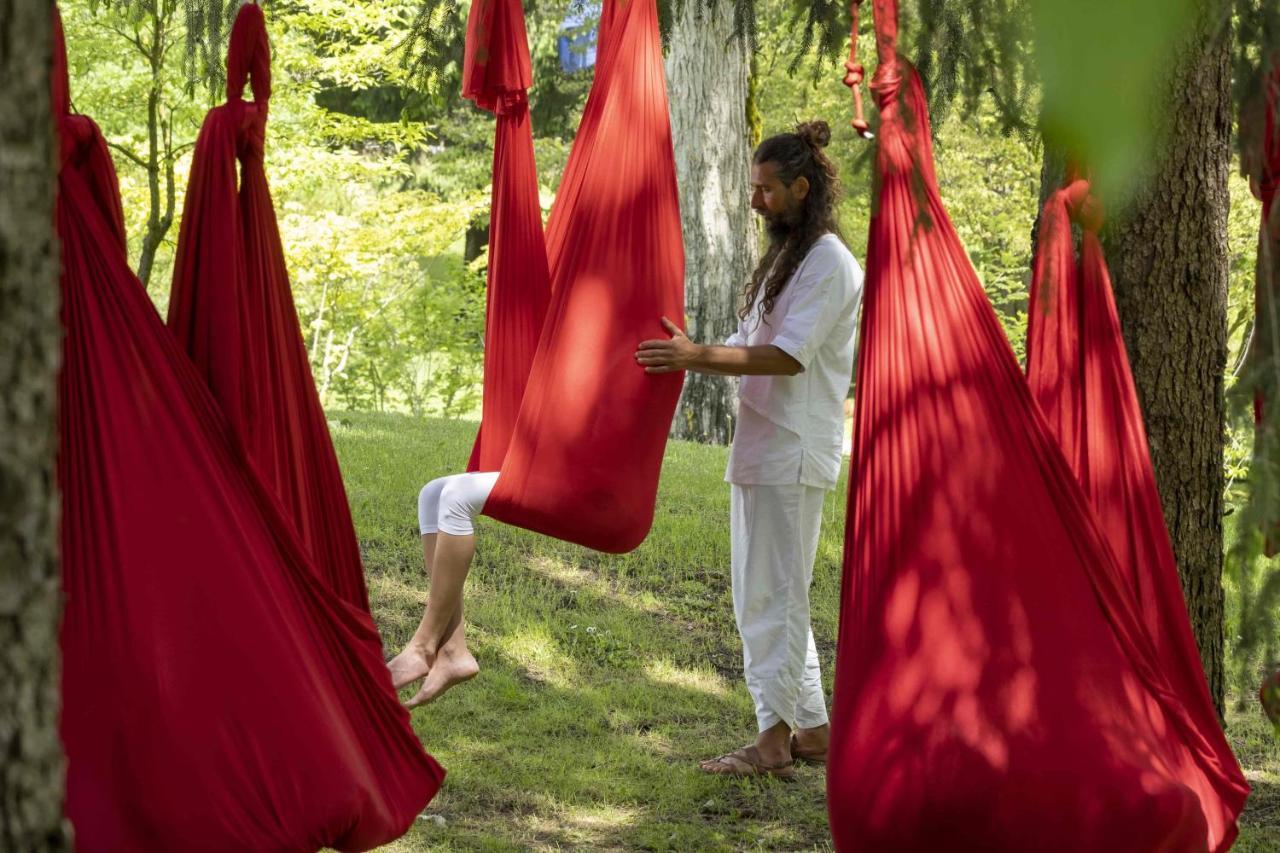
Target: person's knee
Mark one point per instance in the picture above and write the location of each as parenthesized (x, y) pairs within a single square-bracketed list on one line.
[(456, 514), (429, 505), (453, 495)]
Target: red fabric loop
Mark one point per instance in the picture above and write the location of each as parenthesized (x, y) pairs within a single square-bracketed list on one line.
[(1084, 207), (249, 55)]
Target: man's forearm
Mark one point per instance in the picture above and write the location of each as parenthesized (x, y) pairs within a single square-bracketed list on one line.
[(765, 360)]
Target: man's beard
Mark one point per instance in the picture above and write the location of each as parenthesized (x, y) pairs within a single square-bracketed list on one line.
[(780, 226)]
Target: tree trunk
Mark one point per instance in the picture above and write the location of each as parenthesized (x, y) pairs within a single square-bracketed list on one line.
[(1168, 256), (707, 80), (31, 770)]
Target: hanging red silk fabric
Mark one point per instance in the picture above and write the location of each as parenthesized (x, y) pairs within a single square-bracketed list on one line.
[(1260, 161), (995, 686), (1260, 156), (496, 75), (1078, 372), (586, 444), (232, 310), (215, 695)]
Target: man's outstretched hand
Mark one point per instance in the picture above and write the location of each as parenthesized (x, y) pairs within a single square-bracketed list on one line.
[(669, 356)]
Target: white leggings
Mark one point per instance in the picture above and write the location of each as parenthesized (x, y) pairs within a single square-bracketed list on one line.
[(452, 503)]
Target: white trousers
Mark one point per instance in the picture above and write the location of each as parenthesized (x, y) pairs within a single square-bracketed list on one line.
[(774, 534), (452, 503)]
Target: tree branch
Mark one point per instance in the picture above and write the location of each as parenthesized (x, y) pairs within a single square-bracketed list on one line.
[(127, 153)]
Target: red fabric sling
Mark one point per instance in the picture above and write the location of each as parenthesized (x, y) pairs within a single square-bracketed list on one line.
[(1260, 151), (586, 446), (996, 688), (1078, 372), (215, 695), (1260, 159), (232, 309), (497, 75)]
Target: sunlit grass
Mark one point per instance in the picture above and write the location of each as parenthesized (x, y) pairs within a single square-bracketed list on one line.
[(605, 678)]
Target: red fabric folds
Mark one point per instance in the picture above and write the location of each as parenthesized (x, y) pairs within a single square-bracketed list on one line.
[(519, 281), (232, 309), (215, 695), (586, 447), (996, 688), (1078, 371)]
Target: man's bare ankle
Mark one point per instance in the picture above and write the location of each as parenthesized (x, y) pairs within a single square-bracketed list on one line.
[(816, 736)]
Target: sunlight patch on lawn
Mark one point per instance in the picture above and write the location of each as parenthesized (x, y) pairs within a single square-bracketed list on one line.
[(706, 681), (577, 577), (539, 655)]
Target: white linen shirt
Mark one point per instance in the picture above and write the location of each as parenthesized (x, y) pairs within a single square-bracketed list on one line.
[(790, 428)]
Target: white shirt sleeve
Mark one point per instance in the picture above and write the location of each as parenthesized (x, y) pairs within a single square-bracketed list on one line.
[(817, 301)]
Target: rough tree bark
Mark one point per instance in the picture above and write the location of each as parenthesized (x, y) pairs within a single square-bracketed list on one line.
[(31, 769), (707, 82), (1169, 264)]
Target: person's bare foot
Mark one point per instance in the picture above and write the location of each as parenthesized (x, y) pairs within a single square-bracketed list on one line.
[(451, 667), (408, 666)]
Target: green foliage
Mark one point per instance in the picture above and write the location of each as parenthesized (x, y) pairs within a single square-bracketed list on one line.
[(390, 315)]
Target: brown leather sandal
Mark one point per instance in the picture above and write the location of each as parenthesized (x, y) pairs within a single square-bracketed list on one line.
[(809, 756), (747, 762)]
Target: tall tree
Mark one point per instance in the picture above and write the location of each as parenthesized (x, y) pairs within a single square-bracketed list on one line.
[(708, 75), (31, 792), (152, 33), (1167, 250)]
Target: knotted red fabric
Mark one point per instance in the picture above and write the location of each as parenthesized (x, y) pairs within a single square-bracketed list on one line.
[(215, 694), (1078, 372), (586, 446), (232, 309), (995, 687)]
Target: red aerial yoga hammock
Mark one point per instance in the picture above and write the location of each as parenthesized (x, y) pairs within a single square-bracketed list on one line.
[(996, 687), (232, 310), (1262, 146), (215, 694), (1078, 372), (1260, 156), (575, 427)]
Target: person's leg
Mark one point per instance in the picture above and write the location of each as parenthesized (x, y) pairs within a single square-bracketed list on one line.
[(813, 733), (441, 635), (438, 650), (410, 665), (768, 581)]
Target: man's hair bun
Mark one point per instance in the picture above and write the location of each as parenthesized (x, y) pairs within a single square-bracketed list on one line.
[(816, 133)]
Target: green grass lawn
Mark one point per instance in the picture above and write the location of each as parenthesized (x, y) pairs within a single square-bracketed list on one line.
[(605, 678)]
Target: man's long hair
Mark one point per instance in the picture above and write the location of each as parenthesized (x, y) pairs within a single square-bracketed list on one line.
[(794, 155)]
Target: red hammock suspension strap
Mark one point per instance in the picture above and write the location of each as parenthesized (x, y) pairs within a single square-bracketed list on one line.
[(854, 73)]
